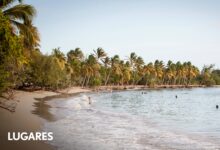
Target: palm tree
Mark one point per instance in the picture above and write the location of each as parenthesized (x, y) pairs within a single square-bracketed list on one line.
[(138, 70), (76, 54), (126, 72), (149, 74), (123, 72), (21, 17), (75, 59), (132, 59), (115, 68), (90, 69), (100, 54), (107, 67), (59, 57), (170, 72), (179, 72), (159, 70)]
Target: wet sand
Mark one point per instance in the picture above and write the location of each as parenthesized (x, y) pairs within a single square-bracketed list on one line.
[(28, 118), (32, 111)]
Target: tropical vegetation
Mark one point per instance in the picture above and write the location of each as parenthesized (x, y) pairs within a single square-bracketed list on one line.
[(23, 65)]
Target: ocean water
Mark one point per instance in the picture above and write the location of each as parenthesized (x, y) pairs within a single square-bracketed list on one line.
[(138, 120)]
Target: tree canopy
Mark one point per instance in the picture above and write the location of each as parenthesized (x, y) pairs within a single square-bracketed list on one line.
[(23, 65)]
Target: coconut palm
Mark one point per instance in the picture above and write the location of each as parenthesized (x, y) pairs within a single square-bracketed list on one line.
[(90, 69), (138, 70), (107, 67), (170, 72), (149, 73), (126, 72), (159, 68), (21, 17), (74, 59), (100, 54), (192, 72), (179, 72), (59, 57), (76, 54), (115, 68), (132, 59)]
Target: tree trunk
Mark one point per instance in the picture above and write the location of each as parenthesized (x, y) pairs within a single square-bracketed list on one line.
[(87, 81), (106, 81), (83, 82)]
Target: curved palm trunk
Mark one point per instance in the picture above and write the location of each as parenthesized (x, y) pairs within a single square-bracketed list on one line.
[(107, 78), (83, 82), (87, 81)]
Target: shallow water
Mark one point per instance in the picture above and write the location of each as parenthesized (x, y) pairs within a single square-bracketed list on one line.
[(155, 119)]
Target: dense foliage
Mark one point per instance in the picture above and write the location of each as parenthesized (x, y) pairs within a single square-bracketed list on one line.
[(11, 56), (74, 69), (23, 65)]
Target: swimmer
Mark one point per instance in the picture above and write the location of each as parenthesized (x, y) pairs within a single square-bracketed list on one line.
[(90, 101), (216, 106), (176, 96)]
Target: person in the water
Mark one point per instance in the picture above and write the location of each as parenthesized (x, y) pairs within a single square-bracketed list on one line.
[(216, 106), (90, 101), (176, 96)]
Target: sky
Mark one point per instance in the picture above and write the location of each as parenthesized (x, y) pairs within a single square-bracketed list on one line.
[(177, 30)]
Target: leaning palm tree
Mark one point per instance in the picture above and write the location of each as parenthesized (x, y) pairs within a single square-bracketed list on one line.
[(90, 69), (100, 54), (21, 16), (107, 67)]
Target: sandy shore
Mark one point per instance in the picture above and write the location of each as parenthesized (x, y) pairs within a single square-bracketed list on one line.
[(30, 114), (25, 120)]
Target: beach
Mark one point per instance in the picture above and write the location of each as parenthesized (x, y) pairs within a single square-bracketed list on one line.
[(34, 113), (137, 119), (24, 119), (109, 75)]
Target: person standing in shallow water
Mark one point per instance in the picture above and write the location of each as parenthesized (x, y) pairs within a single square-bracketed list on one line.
[(90, 101)]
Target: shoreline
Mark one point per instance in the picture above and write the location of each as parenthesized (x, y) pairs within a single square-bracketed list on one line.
[(125, 87), (84, 124), (32, 112), (25, 120)]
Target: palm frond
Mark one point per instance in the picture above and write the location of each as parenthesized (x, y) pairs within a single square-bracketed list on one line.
[(7, 3), (21, 12), (30, 34)]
